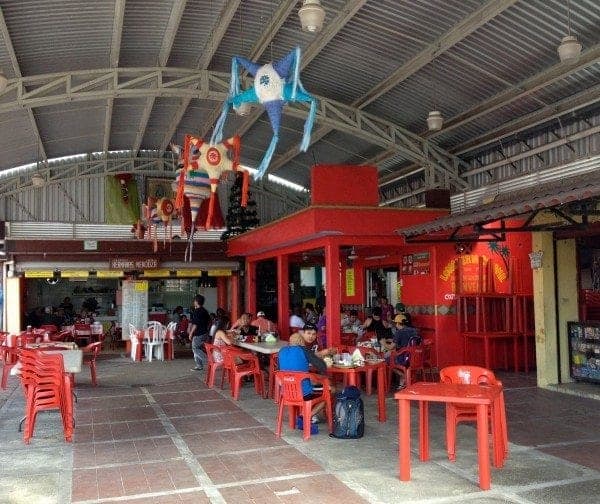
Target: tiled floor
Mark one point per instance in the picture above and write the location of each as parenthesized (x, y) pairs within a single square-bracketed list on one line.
[(152, 432)]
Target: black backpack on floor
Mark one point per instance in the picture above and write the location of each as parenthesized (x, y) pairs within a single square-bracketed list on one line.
[(348, 414)]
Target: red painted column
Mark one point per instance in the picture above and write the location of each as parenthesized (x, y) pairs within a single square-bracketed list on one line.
[(333, 288), (222, 292), (283, 297), (235, 296), (250, 304)]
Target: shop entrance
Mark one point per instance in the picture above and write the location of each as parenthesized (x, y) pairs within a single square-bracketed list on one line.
[(382, 282)]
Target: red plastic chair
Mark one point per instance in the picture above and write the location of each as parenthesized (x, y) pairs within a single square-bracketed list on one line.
[(241, 364), (82, 334), (273, 367), (90, 352), (428, 368), (170, 341), (213, 364), (415, 359), (456, 413), (289, 384), (9, 358)]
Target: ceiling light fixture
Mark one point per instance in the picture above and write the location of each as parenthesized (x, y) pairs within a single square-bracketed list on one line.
[(3, 82), (435, 120), (569, 48), (352, 255), (311, 16), (37, 180)]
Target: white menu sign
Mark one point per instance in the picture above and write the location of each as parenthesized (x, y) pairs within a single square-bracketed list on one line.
[(135, 305)]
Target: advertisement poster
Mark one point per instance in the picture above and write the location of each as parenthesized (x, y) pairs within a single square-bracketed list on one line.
[(350, 287)]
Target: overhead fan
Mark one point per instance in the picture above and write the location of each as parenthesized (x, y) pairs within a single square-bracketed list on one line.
[(352, 255), (52, 281)]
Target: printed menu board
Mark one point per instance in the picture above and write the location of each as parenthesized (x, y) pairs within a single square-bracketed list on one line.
[(135, 305), (416, 264)]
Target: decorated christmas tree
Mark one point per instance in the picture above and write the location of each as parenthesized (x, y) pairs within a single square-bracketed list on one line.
[(239, 219)]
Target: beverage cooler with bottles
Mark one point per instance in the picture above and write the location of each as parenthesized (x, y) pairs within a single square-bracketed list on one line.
[(584, 351)]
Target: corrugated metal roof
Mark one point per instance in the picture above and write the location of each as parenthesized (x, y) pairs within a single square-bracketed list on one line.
[(515, 203), (350, 62)]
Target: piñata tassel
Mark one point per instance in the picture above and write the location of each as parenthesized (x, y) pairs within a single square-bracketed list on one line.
[(245, 187), (217, 134), (308, 126), (211, 210), (266, 160), (296, 73)]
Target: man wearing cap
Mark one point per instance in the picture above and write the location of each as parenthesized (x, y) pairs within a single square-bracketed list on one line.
[(263, 323), (402, 333), (401, 310)]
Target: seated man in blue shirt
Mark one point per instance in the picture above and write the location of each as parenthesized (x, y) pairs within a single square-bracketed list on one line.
[(297, 357)]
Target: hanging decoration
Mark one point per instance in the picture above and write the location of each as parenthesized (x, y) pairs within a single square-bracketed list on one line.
[(156, 212), (202, 166), (138, 229), (275, 84), (124, 179), (151, 220), (165, 209)]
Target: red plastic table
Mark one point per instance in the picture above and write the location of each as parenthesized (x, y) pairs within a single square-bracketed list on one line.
[(350, 376), (483, 397)]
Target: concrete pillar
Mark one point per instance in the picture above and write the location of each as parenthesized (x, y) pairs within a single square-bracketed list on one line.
[(544, 305), (568, 305)]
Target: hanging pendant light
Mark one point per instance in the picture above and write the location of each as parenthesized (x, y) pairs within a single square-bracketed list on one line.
[(569, 48), (311, 16), (37, 180), (3, 82), (435, 120)]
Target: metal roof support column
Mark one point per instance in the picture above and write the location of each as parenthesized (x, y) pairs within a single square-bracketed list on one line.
[(283, 298), (333, 290)]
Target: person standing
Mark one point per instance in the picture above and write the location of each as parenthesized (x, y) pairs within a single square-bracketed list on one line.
[(198, 330)]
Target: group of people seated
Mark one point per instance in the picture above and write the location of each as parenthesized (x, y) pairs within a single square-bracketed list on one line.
[(59, 316)]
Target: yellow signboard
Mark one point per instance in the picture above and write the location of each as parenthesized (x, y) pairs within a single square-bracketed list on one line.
[(350, 287), (156, 273), (219, 272), (140, 286), (109, 274), (74, 274), (39, 274), (188, 272)]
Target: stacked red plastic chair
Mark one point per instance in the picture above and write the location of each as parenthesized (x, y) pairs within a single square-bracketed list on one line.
[(46, 388)]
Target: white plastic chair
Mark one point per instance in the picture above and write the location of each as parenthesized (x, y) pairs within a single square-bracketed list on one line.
[(134, 341), (154, 337)]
